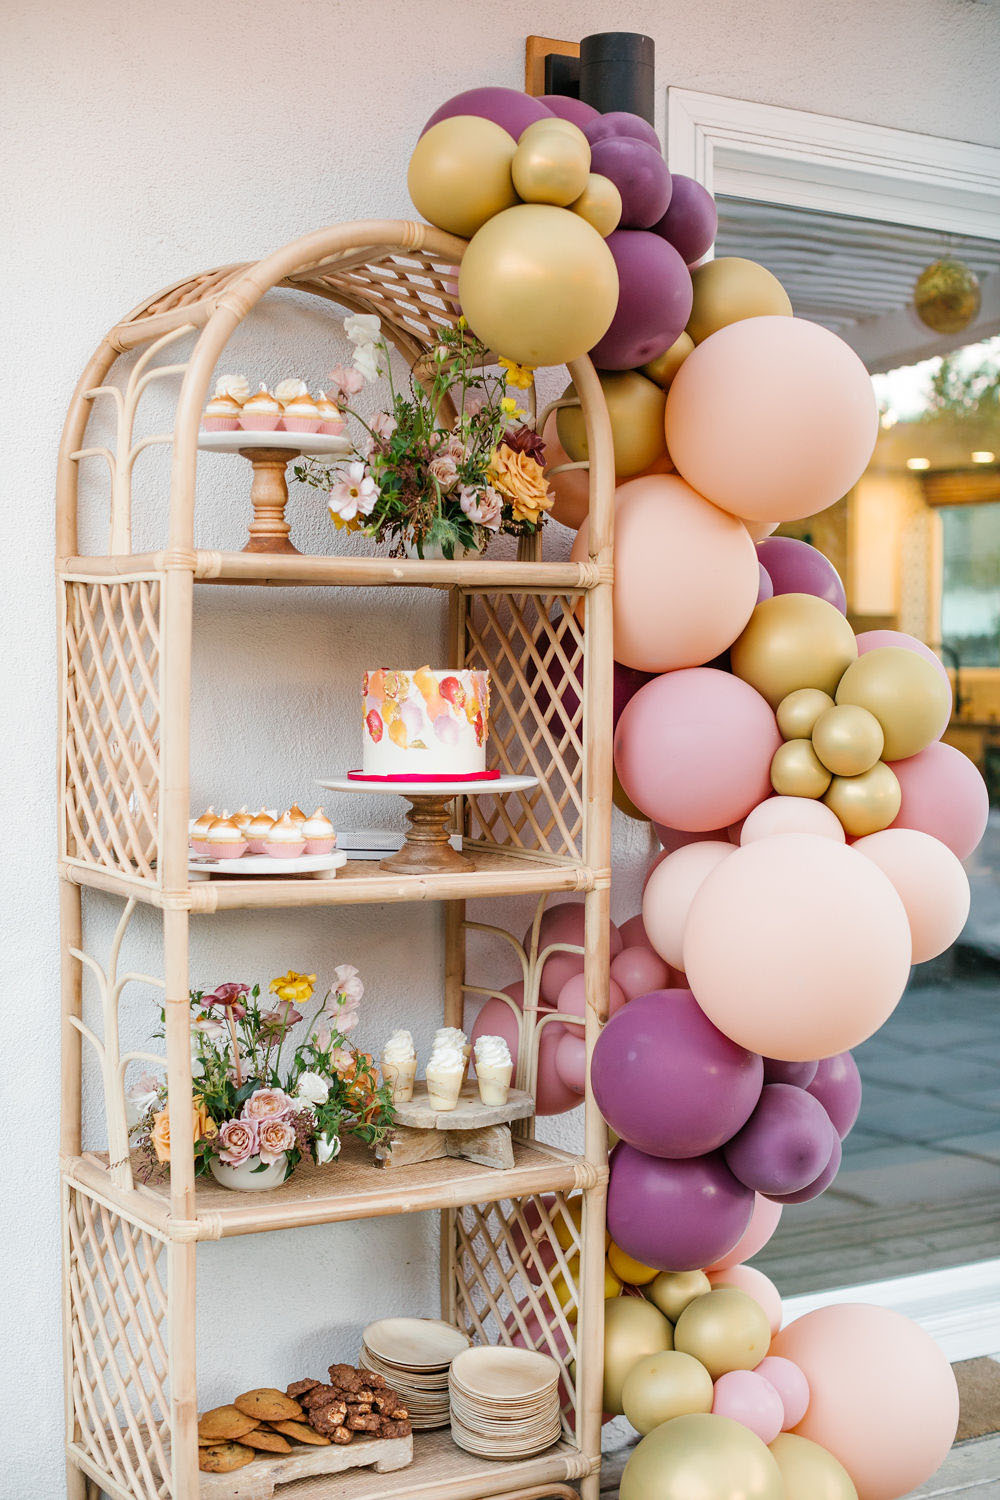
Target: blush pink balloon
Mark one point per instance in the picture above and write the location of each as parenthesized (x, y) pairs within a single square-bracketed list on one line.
[(693, 749), (564, 923), (756, 1285), (670, 890), (874, 640), (790, 1384), (944, 795), (570, 1061), (638, 971), (572, 1001), (791, 815), (763, 1222), (633, 933), (496, 1018), (749, 1399), (930, 882)]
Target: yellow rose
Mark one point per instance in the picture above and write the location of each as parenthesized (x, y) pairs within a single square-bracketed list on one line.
[(521, 479), (202, 1125)]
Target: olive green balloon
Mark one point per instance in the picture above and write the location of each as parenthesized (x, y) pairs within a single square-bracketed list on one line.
[(600, 204), (633, 1328), (866, 803), (673, 1290), (460, 174), (908, 695), (538, 284), (701, 1457), (664, 367), (794, 641), (635, 406), (726, 1330), (551, 165), (797, 771), (797, 714), (729, 289), (663, 1386), (809, 1472), (848, 739)]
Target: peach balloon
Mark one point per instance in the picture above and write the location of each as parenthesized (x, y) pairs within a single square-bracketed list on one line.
[(772, 418), (761, 530), (756, 1285), (797, 947), (571, 491), (930, 882), (763, 1222), (883, 1396), (791, 815), (670, 890)]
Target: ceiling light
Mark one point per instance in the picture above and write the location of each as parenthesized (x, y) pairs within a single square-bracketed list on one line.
[(918, 463), (983, 457)]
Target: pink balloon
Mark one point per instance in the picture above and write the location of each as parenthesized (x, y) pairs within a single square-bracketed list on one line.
[(670, 890), (749, 1399), (883, 1398), (572, 1001), (570, 1061), (790, 1384), (772, 418), (944, 795), (791, 815), (552, 1097), (633, 933), (756, 1285), (930, 882), (563, 923), (763, 1222), (794, 916), (639, 971), (693, 749)]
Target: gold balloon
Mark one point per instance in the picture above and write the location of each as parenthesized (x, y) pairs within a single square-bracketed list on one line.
[(797, 714), (538, 284), (633, 1328), (866, 803), (729, 289), (947, 296), (848, 739), (600, 204), (797, 771), (794, 641), (664, 367), (626, 1269), (701, 1457), (551, 166), (673, 1290), (725, 1329), (624, 802), (809, 1472), (907, 694), (459, 174), (635, 406), (663, 1386)]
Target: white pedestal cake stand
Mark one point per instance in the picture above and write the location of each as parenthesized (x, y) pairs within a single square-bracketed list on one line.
[(270, 453)]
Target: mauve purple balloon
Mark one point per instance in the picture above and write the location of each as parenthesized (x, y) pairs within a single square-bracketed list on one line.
[(675, 1215), (801, 1074), (639, 173), (797, 568), (625, 684), (573, 110), (785, 1144), (618, 123), (691, 220), (508, 108), (654, 300), (668, 1081), (837, 1086), (813, 1189), (765, 589)]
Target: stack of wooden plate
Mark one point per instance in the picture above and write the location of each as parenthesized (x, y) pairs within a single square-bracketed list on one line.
[(504, 1402), (414, 1355)]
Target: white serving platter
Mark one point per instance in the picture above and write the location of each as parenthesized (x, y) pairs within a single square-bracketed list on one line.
[(295, 442), (200, 867), (497, 784)]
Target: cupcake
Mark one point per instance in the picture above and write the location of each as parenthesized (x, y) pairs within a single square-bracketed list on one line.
[(260, 413), (224, 839), (237, 386), (301, 415), (199, 828), (445, 1075), (287, 390), (399, 1066), (331, 418), (258, 828), (243, 819), (295, 813), (494, 1067), (453, 1036), (284, 839), (319, 832), (222, 414)]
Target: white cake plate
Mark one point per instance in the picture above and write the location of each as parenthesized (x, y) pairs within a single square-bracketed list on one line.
[(270, 453), (320, 866), (427, 848), (291, 443)]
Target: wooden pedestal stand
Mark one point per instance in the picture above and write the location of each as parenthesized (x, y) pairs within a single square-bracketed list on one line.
[(473, 1130), (269, 531)]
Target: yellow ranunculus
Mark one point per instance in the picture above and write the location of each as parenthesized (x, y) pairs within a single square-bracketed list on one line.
[(202, 1126), (293, 987), (521, 479), (519, 376)]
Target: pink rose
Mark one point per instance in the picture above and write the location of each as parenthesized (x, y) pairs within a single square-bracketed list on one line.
[(267, 1104), (274, 1138), (237, 1142), (444, 470)]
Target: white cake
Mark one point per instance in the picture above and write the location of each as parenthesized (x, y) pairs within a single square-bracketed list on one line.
[(419, 722)]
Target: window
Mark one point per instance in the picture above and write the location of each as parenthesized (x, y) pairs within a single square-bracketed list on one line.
[(970, 592)]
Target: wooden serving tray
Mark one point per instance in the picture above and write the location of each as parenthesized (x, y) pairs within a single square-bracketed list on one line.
[(474, 1131), (470, 1113), (259, 1479)]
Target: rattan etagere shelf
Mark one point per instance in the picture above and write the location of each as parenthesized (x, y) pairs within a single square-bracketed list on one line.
[(125, 636)]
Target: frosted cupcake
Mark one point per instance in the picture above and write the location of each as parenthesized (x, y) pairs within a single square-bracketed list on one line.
[(399, 1066), (222, 414), (243, 819), (258, 829), (296, 814), (299, 412), (454, 1037), (331, 418), (445, 1075), (494, 1068), (284, 839), (237, 386), (199, 829), (319, 833), (224, 839), (260, 413)]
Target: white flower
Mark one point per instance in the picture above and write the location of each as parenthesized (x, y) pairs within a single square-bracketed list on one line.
[(327, 1147), (312, 1090), (349, 982), (354, 495), (212, 1028), (366, 361), (362, 328), (485, 510), (142, 1095)]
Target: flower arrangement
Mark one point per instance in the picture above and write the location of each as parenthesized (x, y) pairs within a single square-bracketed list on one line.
[(245, 1104), (415, 478)]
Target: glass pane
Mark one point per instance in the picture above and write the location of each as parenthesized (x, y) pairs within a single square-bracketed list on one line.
[(970, 593)]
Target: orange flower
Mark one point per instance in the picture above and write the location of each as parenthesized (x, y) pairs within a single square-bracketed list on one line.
[(202, 1127), (521, 479)]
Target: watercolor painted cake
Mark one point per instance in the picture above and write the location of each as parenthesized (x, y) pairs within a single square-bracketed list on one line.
[(425, 723)]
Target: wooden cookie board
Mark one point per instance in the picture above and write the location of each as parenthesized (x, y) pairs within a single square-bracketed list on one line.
[(257, 1481)]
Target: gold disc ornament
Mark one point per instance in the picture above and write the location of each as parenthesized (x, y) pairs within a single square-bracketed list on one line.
[(866, 803), (947, 296), (797, 771), (848, 739)]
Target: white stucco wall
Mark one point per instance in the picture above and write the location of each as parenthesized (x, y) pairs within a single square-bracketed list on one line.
[(145, 142)]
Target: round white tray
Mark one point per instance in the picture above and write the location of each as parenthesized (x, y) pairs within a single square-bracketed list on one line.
[(200, 867), (294, 442), (433, 788)]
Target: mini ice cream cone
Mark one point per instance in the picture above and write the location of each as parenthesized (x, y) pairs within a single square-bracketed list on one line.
[(399, 1076), (494, 1081)]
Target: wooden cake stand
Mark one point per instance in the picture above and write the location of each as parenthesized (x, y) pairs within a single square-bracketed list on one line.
[(473, 1130), (270, 453)]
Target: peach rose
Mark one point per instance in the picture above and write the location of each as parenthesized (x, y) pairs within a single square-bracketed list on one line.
[(202, 1128), (521, 479), (273, 1138)]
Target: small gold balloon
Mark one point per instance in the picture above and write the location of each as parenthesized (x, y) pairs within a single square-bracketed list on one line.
[(797, 771), (551, 166), (633, 1328), (600, 204), (848, 739), (726, 1330), (794, 641), (663, 1386), (673, 1290), (729, 289), (664, 367), (906, 693), (635, 406), (865, 803), (810, 1472), (947, 296), (798, 713), (459, 174), (627, 1269), (624, 802), (701, 1457)]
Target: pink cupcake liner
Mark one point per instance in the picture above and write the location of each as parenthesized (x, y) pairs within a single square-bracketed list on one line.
[(251, 422), (301, 424), (220, 424), (284, 850), (234, 850), (333, 429), (320, 846), (199, 846), (255, 846)]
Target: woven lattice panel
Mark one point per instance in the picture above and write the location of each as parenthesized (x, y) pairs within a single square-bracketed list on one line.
[(110, 756), (532, 644), (117, 1308)]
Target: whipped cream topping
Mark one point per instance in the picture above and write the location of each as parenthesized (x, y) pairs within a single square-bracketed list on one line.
[(235, 386), (301, 406), (262, 401), (327, 408), (399, 1048), (289, 390), (223, 831), (450, 1036), (318, 826), (492, 1052), (284, 831), (446, 1058), (201, 825), (262, 823)]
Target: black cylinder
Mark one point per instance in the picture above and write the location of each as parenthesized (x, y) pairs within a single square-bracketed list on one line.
[(616, 72)]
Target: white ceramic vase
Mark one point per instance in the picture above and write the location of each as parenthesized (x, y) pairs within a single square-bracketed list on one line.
[(243, 1179), (433, 553)]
